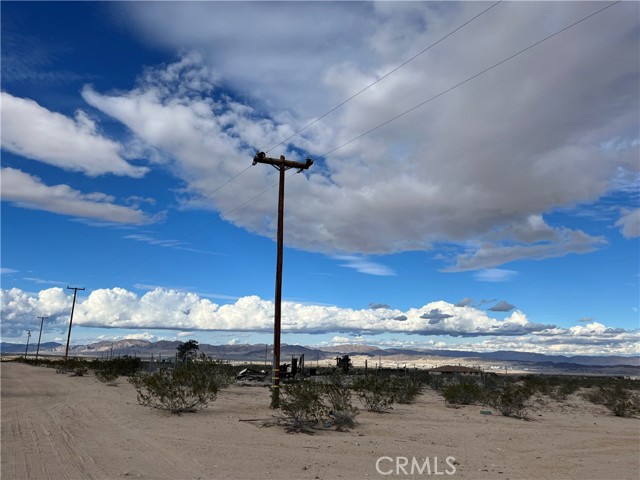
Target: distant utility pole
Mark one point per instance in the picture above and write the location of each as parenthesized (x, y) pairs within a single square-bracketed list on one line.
[(27, 349), (73, 306), (282, 166), (42, 319)]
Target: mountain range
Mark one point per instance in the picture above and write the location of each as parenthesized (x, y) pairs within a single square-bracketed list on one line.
[(262, 352)]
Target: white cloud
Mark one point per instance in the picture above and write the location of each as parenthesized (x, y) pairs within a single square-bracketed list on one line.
[(485, 161), (149, 337), (34, 132), (29, 192), (490, 255), (629, 223), (364, 265), (7, 271), (20, 310), (495, 275), (187, 313), (43, 281)]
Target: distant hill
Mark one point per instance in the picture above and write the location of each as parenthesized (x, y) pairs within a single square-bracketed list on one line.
[(19, 347), (258, 353)]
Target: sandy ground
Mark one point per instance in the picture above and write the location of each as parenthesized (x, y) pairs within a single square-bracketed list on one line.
[(55, 426)]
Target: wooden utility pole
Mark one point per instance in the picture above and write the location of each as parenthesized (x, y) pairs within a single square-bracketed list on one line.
[(42, 319), (282, 165), (73, 306), (27, 349)]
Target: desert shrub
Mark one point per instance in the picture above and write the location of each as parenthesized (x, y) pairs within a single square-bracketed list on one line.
[(376, 392), (437, 383), (185, 388), (511, 400), (407, 388), (122, 366), (338, 399), (77, 367), (307, 403), (617, 399), (107, 374), (302, 404), (80, 371), (466, 393)]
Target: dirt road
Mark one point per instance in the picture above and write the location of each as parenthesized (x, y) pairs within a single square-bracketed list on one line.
[(55, 426)]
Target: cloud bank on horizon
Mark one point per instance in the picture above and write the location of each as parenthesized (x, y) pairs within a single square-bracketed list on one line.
[(161, 309), (478, 169)]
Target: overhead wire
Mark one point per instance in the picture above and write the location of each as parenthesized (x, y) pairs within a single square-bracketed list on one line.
[(195, 201), (316, 120), (482, 72), (415, 107), (202, 227), (191, 202)]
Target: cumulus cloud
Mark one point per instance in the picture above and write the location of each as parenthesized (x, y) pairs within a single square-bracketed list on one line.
[(32, 131), (187, 313), (20, 310), (531, 143), (30, 192)]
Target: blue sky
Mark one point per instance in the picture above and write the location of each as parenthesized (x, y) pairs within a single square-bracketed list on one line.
[(503, 213)]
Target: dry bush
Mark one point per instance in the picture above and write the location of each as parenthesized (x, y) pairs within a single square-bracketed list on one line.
[(466, 393), (338, 397), (617, 399), (511, 400), (185, 388), (302, 404), (377, 393)]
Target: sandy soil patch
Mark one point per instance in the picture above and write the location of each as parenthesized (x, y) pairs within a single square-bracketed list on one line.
[(55, 426)]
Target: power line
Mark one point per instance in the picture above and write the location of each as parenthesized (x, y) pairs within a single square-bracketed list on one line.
[(397, 116), (318, 119), (469, 79), (189, 203), (383, 77), (42, 319), (282, 165), (73, 307), (203, 226)]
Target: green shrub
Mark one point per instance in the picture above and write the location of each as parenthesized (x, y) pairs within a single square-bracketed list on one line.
[(377, 393), (302, 404), (338, 398), (617, 399), (511, 400), (122, 366), (185, 388), (107, 375), (76, 366), (407, 389), (466, 393)]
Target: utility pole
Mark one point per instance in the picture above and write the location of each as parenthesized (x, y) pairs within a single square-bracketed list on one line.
[(27, 349), (73, 306), (42, 319), (282, 165)]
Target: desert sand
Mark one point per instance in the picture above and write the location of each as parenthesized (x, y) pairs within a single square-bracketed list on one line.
[(55, 426)]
